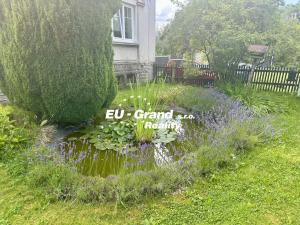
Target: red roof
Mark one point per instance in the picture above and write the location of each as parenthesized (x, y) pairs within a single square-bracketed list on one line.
[(258, 49)]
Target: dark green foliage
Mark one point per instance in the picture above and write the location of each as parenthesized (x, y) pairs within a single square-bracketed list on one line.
[(56, 56)]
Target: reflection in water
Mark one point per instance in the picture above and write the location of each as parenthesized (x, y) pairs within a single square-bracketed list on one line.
[(162, 155)]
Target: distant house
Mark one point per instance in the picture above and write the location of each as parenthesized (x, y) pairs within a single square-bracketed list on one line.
[(295, 16), (133, 33)]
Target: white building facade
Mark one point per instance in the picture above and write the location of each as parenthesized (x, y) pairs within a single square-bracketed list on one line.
[(133, 33)]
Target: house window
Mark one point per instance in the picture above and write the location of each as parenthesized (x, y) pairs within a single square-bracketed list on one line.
[(117, 25), (123, 24)]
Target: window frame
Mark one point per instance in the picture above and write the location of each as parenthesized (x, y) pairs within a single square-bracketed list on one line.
[(120, 18), (123, 25)]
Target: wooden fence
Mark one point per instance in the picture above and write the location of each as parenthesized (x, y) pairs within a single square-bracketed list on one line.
[(176, 74), (270, 79), (273, 79)]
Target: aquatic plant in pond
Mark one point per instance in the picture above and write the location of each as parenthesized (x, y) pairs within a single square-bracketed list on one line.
[(113, 135), (165, 135), (145, 98)]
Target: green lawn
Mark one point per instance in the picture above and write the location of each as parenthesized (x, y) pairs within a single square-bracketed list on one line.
[(263, 187)]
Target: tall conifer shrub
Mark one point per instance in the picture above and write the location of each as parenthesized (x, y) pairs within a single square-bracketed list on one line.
[(56, 56)]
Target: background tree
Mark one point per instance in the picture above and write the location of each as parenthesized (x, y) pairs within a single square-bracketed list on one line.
[(223, 29), (286, 45), (56, 56), (292, 11)]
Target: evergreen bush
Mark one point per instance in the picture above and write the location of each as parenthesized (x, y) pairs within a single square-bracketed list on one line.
[(56, 56)]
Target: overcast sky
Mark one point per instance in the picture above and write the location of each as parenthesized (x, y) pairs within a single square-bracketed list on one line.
[(165, 11), (287, 1)]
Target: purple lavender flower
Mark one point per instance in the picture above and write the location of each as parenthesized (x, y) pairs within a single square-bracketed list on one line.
[(81, 155)]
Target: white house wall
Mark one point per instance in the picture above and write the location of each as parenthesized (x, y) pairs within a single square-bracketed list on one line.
[(141, 53), (146, 32), (125, 54)]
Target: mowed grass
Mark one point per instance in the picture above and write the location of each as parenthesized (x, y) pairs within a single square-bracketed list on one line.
[(19, 205), (261, 187)]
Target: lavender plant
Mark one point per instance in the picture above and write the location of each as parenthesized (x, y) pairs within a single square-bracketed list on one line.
[(230, 128)]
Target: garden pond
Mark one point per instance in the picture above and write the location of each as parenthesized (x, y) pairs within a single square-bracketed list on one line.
[(110, 148)]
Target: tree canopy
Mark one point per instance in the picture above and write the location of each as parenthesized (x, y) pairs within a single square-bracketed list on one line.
[(222, 30)]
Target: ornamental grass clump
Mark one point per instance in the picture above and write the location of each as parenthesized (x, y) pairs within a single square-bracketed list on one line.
[(146, 98), (260, 102), (56, 57)]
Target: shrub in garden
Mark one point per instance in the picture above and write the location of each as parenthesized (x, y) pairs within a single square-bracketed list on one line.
[(56, 56), (12, 137)]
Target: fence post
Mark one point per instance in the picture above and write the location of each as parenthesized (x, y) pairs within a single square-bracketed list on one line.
[(250, 77), (173, 72)]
